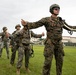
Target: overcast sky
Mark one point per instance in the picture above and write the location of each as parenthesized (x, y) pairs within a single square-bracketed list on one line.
[(12, 11)]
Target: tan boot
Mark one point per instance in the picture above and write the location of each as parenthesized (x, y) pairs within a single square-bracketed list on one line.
[(18, 71), (27, 70)]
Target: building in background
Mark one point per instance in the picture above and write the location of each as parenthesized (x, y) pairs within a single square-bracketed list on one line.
[(67, 40)]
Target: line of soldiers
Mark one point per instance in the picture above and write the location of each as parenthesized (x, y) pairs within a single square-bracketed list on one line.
[(20, 41)]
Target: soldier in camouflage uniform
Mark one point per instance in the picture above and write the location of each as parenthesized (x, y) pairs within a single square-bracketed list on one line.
[(53, 45), (14, 44), (24, 47), (5, 41)]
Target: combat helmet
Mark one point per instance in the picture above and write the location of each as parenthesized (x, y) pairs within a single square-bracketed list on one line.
[(18, 25), (53, 6), (4, 28)]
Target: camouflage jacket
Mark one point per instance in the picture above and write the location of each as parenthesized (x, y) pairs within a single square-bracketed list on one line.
[(14, 41), (3, 37), (54, 27), (24, 36)]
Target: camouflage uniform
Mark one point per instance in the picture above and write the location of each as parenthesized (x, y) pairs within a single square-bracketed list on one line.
[(14, 43), (24, 46), (4, 43), (53, 43), (15, 46)]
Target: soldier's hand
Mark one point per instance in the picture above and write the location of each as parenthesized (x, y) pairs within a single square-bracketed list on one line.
[(43, 34), (7, 34), (23, 22)]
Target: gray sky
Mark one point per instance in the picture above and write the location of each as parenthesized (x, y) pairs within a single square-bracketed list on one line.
[(12, 11)]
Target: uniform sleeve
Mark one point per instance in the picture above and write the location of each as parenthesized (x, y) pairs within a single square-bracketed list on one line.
[(17, 34), (69, 27), (35, 35), (32, 25)]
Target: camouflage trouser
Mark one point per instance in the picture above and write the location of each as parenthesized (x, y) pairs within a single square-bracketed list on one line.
[(51, 48), (21, 52), (13, 49), (4, 45)]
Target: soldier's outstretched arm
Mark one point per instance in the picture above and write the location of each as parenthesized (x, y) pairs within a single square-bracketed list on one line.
[(68, 27), (23, 22), (33, 25), (36, 35)]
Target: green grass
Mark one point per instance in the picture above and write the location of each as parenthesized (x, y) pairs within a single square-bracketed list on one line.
[(36, 63)]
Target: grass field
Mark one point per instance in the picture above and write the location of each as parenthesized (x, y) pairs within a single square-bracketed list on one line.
[(36, 63)]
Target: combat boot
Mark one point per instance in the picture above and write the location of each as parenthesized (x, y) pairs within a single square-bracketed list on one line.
[(18, 71), (27, 70)]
